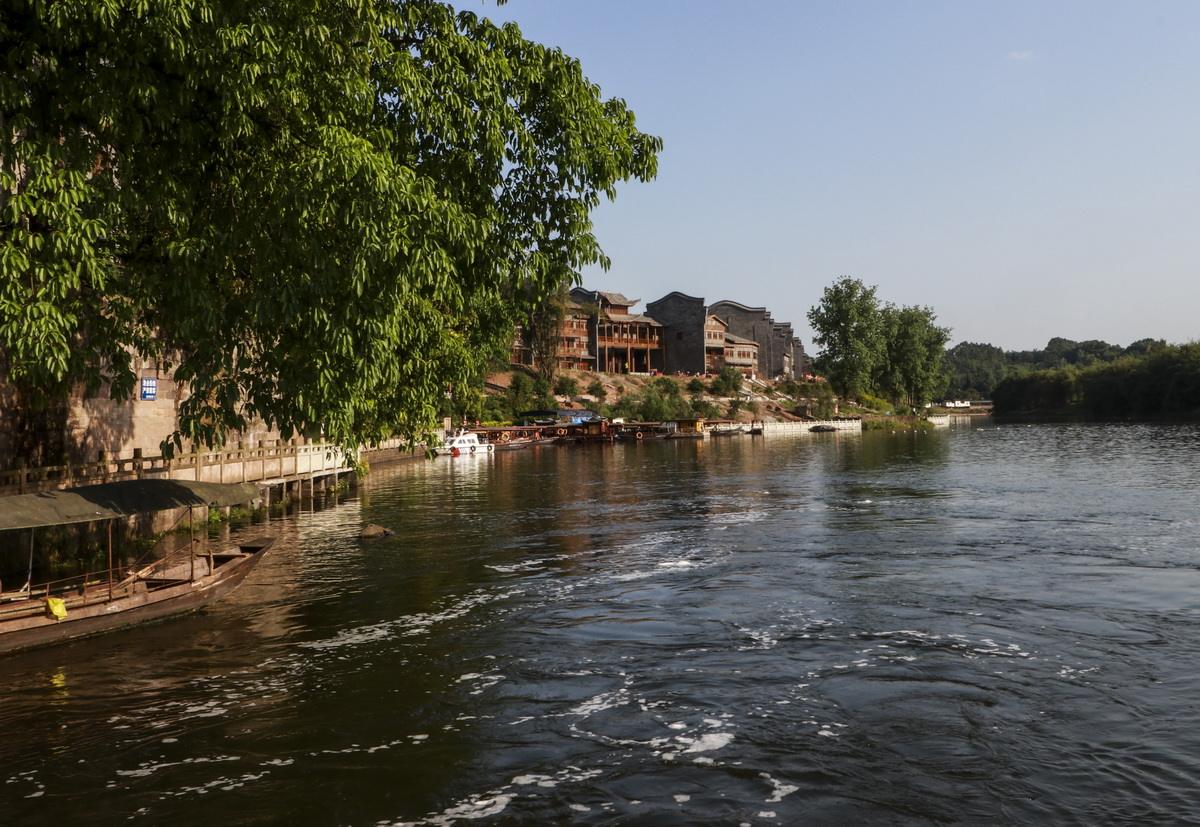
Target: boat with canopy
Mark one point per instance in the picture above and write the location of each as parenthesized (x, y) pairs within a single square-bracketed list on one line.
[(95, 602)]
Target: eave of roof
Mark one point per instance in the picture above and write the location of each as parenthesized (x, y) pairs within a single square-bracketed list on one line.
[(129, 498)]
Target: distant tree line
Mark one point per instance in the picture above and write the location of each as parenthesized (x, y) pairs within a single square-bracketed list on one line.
[(975, 370), (1163, 380), (875, 348)]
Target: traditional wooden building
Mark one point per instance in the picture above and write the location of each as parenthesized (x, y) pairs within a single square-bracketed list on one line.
[(573, 349), (741, 353), (574, 339), (716, 333), (622, 341), (778, 346)]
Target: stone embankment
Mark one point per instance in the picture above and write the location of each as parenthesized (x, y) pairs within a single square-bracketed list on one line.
[(770, 428)]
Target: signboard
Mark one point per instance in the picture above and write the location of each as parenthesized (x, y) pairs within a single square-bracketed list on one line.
[(149, 389)]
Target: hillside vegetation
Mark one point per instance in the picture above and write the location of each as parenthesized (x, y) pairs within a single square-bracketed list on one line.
[(1165, 382)]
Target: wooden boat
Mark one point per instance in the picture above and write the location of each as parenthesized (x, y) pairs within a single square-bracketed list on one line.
[(103, 601), (517, 444)]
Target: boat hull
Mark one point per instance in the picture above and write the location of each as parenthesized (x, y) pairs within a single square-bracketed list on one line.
[(140, 606)]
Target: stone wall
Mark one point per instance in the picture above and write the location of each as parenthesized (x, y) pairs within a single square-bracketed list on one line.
[(682, 318), (771, 428)]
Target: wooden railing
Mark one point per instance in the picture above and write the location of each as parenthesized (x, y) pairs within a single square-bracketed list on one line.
[(266, 460)]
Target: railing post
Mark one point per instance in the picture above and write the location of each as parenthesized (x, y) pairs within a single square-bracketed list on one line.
[(102, 458), (137, 463), (21, 476)]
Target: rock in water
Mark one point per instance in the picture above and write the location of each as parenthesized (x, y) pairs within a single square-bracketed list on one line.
[(374, 531)]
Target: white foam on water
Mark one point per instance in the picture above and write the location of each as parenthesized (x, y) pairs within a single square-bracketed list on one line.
[(409, 625), (148, 768), (680, 798), (601, 702), (710, 741), (528, 565), (781, 790)]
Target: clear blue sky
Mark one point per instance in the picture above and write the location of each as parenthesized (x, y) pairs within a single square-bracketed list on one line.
[(1029, 169)]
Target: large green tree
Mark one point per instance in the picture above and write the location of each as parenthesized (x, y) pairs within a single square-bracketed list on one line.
[(911, 369), (318, 213), (847, 326)]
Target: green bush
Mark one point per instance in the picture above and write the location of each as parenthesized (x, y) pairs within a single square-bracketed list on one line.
[(874, 403), (728, 382), (696, 386), (665, 386), (596, 389), (566, 386)]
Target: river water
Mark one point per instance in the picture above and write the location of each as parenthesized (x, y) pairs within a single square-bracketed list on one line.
[(980, 625)]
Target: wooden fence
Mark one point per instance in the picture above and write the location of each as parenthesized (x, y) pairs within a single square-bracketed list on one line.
[(270, 460)]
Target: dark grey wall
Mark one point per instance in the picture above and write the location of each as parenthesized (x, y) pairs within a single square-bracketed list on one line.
[(752, 323), (682, 318)]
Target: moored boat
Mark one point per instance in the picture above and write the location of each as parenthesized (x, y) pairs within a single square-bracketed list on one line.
[(103, 601), (464, 443)]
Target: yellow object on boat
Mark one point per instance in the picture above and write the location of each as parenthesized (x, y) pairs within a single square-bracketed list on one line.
[(56, 607)]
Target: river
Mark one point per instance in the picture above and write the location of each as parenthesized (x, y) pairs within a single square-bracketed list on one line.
[(982, 625)]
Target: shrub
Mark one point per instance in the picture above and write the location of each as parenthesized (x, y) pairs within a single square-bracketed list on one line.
[(596, 389), (696, 386), (667, 387), (566, 386), (728, 382)]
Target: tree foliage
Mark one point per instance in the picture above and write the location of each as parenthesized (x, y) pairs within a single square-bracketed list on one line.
[(847, 326), (1163, 381), (319, 214), (910, 367), (890, 350), (728, 382), (543, 327), (974, 369)]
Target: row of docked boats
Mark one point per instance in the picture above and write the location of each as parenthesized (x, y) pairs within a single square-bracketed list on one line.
[(487, 440)]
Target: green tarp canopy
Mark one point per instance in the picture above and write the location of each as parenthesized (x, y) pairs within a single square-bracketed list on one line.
[(117, 499)]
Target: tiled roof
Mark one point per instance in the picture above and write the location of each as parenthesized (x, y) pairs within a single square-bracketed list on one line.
[(739, 340), (626, 317), (617, 298)]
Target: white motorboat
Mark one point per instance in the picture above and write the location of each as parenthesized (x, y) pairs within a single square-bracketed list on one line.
[(463, 442)]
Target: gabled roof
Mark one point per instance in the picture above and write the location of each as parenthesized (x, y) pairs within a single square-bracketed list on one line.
[(739, 340), (603, 297), (631, 317), (715, 317), (617, 298)]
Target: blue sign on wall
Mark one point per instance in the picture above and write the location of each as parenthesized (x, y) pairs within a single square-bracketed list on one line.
[(149, 388)]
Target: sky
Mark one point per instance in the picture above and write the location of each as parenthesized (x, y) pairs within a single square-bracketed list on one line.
[(1028, 169)]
